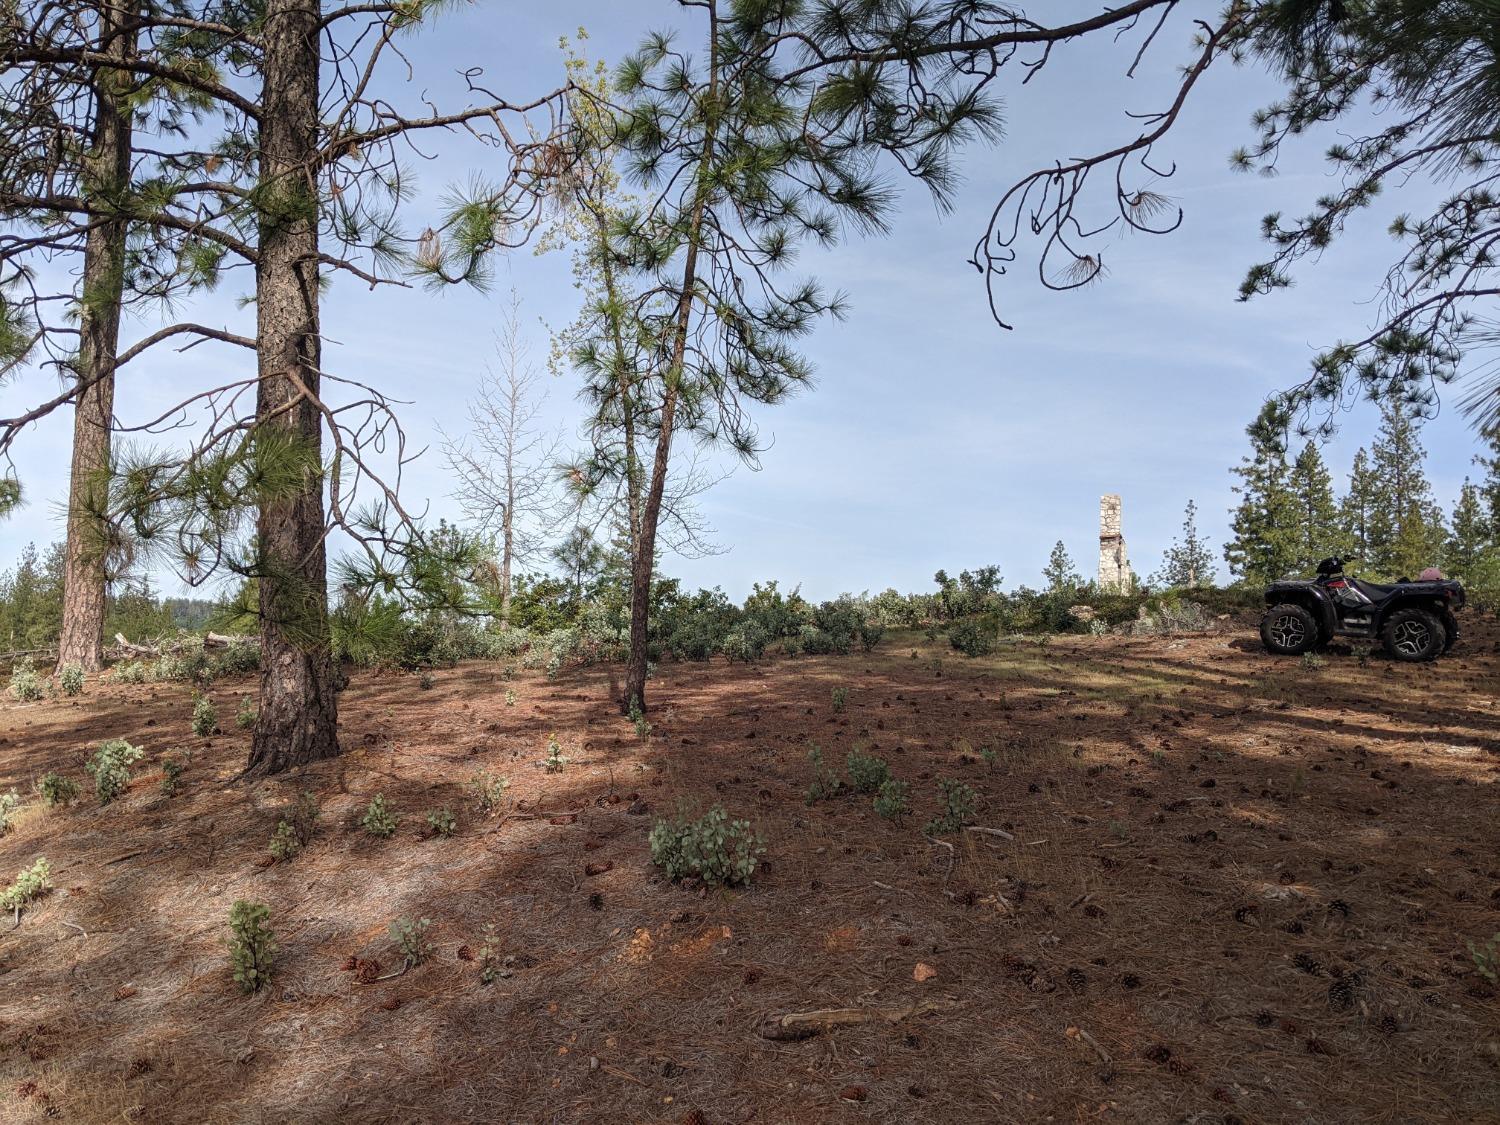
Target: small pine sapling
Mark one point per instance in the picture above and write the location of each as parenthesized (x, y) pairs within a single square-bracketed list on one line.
[(205, 717), (891, 802), (867, 773), (57, 790), (31, 884), (380, 818), (171, 774), (252, 945), (110, 768), (556, 759), (826, 783), (295, 830), (411, 938), (959, 801), (70, 679)]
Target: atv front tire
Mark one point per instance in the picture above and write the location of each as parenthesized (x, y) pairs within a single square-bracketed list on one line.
[(1413, 636), (1288, 630)]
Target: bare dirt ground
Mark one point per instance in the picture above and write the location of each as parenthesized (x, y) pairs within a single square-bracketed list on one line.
[(1239, 890)]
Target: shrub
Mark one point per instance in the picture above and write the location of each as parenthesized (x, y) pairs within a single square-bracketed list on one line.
[(870, 634), (380, 819), (252, 945), (891, 802), (974, 636), (128, 672), (425, 681), (110, 768), (638, 717), (25, 685), (489, 790), (31, 884), (70, 679), (57, 790), (840, 699), (556, 759), (9, 803), (510, 697), (441, 822), (295, 830), (245, 717), (958, 808), (713, 848), (1486, 959), (411, 938), (826, 784), (746, 642), (205, 717), (171, 773), (867, 773)]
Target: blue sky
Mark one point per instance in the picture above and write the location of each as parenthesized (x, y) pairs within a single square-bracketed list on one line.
[(932, 437)]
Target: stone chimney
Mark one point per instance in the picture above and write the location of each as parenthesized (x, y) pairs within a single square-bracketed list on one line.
[(1114, 564)]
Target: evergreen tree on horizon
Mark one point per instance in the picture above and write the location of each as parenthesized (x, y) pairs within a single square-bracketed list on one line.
[(1319, 533), (1264, 544), (1189, 562), (1406, 531)]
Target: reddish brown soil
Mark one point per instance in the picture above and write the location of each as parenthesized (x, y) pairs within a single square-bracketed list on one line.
[(1238, 890)]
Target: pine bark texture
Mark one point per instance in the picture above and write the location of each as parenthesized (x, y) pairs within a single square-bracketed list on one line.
[(298, 718), (106, 178)]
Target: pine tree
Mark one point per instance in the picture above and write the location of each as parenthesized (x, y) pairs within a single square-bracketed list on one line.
[(1357, 508), (1189, 562), (1471, 533), (1264, 547), (1059, 572), (1405, 524), (1318, 527)]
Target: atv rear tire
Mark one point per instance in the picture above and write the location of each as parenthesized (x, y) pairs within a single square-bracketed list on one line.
[(1288, 630), (1450, 626), (1413, 636)]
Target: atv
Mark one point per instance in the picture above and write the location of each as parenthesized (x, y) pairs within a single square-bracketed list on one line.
[(1414, 621)]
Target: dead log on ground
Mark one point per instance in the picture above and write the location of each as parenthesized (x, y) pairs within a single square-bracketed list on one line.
[(804, 1025)]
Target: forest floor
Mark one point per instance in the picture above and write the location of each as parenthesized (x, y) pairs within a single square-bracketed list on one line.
[(1234, 889)]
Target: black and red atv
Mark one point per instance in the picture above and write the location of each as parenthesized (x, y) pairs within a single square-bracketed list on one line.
[(1413, 620)]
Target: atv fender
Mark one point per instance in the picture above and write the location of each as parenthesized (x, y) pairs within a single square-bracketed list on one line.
[(1314, 598)]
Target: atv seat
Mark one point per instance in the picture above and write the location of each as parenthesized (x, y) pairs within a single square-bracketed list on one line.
[(1372, 591)]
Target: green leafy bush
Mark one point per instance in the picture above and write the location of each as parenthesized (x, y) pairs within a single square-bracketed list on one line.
[(712, 848), (25, 685), (205, 716), (57, 790), (171, 773), (31, 884), (746, 643), (867, 773), (252, 945), (128, 672), (1486, 959), (891, 802), (110, 768), (70, 679), (9, 803), (959, 802), (380, 819), (556, 759), (245, 717), (441, 822), (974, 636), (826, 783), (295, 830), (489, 790), (638, 717), (411, 938), (840, 699)]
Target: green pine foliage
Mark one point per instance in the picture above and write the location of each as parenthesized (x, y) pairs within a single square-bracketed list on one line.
[(1406, 530), (1357, 508), (1318, 533), (1060, 574), (1264, 525), (1189, 562), (958, 804), (1470, 532)]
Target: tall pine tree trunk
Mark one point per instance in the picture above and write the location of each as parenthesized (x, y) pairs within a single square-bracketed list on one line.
[(106, 178), (298, 716)]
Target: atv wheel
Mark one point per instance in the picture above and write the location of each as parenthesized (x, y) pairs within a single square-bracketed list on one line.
[(1413, 635), (1450, 627), (1288, 630)]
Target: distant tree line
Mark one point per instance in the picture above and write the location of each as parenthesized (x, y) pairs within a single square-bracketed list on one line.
[(1387, 519)]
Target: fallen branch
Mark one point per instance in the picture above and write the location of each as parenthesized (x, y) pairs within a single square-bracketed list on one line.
[(804, 1025), (1002, 833)]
